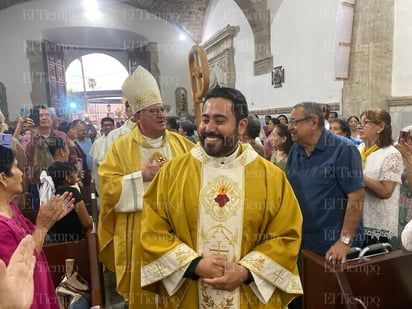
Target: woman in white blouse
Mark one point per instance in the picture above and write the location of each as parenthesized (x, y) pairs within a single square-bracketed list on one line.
[(382, 170)]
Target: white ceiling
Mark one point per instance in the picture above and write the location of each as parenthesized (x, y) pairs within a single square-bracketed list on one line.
[(92, 37)]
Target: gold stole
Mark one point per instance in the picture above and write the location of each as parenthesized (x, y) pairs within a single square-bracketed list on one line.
[(221, 221)]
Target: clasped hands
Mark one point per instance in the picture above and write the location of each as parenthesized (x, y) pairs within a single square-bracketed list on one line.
[(220, 273)]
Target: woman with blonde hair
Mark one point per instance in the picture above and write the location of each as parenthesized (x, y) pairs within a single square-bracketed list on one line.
[(382, 170)]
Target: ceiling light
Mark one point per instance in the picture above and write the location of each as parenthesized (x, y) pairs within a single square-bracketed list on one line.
[(182, 37)]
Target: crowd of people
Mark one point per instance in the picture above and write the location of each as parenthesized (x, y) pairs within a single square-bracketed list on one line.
[(209, 216)]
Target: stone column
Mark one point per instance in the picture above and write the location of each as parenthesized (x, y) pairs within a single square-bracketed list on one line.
[(370, 71)]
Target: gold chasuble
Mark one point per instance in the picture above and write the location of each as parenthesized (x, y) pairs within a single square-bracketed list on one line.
[(121, 199), (242, 207)]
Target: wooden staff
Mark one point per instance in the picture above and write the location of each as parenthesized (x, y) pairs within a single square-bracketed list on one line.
[(199, 77)]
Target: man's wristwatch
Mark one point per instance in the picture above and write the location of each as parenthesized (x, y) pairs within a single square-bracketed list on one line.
[(346, 240)]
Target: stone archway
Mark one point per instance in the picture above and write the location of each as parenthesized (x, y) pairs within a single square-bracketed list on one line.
[(259, 18)]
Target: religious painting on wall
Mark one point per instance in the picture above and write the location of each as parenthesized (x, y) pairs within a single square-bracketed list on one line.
[(181, 101), (278, 76)]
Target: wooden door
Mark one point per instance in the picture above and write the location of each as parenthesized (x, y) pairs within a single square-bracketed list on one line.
[(53, 55)]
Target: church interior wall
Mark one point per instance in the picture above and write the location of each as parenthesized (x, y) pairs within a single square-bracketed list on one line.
[(302, 38), (400, 101), (28, 20), (402, 49), (303, 45)]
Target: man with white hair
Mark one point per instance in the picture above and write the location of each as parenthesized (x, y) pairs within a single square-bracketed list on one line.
[(127, 169)]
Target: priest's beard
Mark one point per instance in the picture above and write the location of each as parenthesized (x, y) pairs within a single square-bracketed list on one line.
[(224, 146)]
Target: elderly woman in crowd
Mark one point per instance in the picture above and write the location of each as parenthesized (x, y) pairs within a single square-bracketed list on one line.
[(281, 143), (14, 227), (382, 170)]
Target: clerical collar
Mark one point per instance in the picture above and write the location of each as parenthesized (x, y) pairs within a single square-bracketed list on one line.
[(154, 142), (225, 160)]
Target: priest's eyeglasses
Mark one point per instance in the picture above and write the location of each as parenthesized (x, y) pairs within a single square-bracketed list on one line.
[(154, 111), (294, 122)]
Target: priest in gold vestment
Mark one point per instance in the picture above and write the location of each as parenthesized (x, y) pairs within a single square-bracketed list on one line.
[(221, 226), (126, 171)]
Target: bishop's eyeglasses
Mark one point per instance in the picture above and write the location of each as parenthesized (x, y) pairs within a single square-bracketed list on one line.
[(154, 111)]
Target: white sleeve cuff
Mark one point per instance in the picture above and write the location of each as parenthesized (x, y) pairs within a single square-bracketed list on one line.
[(262, 289), (131, 196), (173, 282)]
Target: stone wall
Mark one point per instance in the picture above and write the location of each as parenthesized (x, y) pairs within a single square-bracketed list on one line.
[(370, 71)]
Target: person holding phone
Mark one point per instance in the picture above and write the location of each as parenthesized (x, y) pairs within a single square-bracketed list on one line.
[(35, 116), (42, 129), (20, 156), (405, 135), (24, 123)]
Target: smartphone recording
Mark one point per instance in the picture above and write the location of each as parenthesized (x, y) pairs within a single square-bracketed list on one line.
[(35, 116), (404, 137)]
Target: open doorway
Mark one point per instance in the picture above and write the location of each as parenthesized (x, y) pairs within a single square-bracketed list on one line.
[(94, 88)]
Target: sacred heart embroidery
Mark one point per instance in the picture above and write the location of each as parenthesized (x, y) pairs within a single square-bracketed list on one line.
[(221, 199)]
